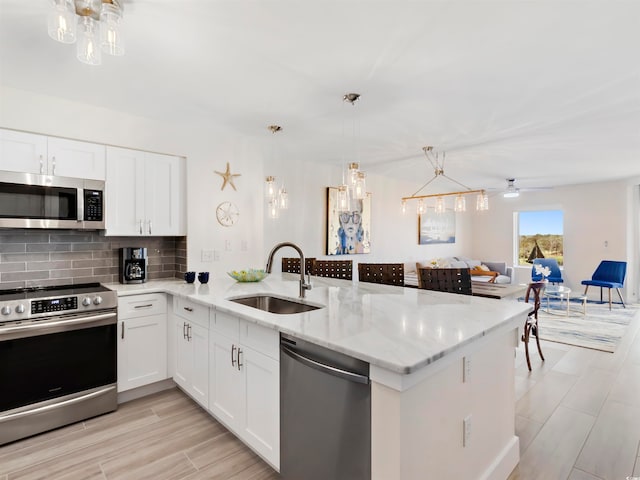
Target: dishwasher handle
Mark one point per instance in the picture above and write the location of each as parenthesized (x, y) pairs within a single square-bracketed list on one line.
[(337, 372)]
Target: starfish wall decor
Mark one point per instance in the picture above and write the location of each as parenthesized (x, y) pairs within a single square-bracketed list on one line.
[(228, 177)]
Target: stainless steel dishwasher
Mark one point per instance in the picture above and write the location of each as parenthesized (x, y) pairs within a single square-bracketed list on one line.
[(325, 413)]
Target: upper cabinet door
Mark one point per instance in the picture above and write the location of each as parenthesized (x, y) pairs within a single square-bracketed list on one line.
[(71, 158), (163, 194), (124, 209), (23, 152)]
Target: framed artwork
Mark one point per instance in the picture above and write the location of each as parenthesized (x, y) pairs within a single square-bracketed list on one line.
[(436, 228), (348, 232)]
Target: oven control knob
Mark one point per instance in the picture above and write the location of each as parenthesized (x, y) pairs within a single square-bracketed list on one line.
[(20, 308), (6, 310), (86, 301), (97, 300)]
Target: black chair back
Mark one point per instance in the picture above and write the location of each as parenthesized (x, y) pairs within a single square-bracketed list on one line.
[(386, 273), (452, 280), (334, 269)]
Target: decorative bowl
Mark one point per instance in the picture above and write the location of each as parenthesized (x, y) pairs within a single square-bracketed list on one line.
[(250, 275)]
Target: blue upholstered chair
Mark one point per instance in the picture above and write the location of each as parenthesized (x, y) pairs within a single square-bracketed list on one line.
[(609, 274), (552, 263)]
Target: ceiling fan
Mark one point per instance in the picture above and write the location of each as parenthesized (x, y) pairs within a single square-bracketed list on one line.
[(512, 191)]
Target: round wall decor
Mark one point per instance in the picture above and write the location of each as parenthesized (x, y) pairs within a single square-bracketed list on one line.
[(227, 214)]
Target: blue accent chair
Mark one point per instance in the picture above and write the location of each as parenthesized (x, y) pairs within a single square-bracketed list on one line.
[(609, 274), (552, 263)]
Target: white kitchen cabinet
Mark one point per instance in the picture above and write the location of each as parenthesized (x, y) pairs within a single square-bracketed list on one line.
[(192, 349), (244, 382), (142, 340), (33, 153), (145, 193)]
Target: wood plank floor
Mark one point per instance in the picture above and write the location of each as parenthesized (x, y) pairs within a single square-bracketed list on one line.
[(577, 415)]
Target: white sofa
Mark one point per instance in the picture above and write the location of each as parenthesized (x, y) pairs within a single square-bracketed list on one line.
[(503, 273)]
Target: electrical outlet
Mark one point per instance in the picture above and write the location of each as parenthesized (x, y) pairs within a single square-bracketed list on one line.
[(466, 369), (227, 245), (216, 256), (207, 255), (466, 431)]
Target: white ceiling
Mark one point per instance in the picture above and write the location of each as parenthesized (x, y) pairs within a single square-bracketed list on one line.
[(547, 92)]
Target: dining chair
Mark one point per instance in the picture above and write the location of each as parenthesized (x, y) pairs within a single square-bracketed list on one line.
[(386, 273), (531, 322), (292, 265), (334, 269), (452, 280), (609, 274), (552, 263)]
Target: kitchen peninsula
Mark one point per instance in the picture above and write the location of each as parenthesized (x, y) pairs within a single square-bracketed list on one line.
[(441, 365)]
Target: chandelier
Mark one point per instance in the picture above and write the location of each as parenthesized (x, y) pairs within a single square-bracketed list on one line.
[(277, 197), (459, 205), (353, 185), (94, 25)]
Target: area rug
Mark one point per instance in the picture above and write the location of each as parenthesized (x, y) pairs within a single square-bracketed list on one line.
[(599, 329)]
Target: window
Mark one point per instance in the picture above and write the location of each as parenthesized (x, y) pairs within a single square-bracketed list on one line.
[(540, 235)]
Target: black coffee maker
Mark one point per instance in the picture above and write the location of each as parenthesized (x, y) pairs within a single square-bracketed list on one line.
[(133, 265)]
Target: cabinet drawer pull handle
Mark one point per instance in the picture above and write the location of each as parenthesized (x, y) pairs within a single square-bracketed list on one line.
[(149, 227), (188, 309), (189, 332), (41, 165), (122, 334), (233, 360), (239, 353), (184, 330), (53, 170), (140, 226), (144, 306)]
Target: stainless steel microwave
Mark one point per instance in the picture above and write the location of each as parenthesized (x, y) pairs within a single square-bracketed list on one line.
[(28, 200)]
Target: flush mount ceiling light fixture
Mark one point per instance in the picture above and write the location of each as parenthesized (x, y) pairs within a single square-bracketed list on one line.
[(436, 160), (277, 197), (94, 25)]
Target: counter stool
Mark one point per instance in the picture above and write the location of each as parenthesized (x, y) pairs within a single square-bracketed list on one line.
[(531, 323)]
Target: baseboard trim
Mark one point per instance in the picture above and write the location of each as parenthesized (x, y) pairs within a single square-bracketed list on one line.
[(504, 463), (145, 390)]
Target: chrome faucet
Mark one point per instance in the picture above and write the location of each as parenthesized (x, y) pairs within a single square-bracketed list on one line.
[(303, 285)]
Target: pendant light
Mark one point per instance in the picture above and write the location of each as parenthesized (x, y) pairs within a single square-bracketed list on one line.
[(277, 198)]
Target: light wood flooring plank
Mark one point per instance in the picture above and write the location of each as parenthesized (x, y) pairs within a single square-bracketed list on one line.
[(235, 464), (215, 449), (611, 449), (171, 467), (577, 361), (626, 388), (526, 430), (580, 475), (542, 399), (590, 391), (552, 355), (83, 472), (523, 385), (552, 453)]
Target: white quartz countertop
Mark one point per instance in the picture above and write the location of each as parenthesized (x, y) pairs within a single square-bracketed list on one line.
[(396, 328)]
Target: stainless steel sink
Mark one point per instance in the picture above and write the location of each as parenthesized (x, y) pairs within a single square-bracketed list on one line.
[(279, 305)]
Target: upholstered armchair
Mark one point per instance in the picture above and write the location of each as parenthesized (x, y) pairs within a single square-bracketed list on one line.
[(609, 274), (552, 263)]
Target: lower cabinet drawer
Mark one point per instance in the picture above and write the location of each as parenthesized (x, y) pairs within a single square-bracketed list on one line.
[(142, 305), (191, 311)]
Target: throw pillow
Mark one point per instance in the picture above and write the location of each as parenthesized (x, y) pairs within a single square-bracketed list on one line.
[(484, 267)]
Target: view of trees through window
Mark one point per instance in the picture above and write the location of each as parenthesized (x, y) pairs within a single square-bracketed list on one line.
[(540, 236)]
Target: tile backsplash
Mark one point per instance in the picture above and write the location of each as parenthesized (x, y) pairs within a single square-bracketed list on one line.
[(58, 257)]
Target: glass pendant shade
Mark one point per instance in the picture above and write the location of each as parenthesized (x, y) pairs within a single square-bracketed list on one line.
[(343, 198), (439, 205), (422, 209), (88, 50), (482, 202), (272, 207), (283, 199), (62, 21), (361, 186), (460, 204), (404, 207), (270, 187), (352, 174), (110, 37)]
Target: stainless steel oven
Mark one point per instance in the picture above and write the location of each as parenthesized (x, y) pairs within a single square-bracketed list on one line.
[(57, 357), (28, 200)]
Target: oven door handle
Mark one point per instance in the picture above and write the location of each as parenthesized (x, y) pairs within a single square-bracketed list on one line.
[(54, 406), (55, 326)]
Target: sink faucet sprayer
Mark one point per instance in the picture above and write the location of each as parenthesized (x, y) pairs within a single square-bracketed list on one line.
[(303, 285)]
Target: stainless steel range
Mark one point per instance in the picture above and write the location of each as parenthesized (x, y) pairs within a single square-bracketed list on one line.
[(57, 357)]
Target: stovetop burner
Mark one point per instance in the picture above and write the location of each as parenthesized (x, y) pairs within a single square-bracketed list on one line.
[(49, 291)]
